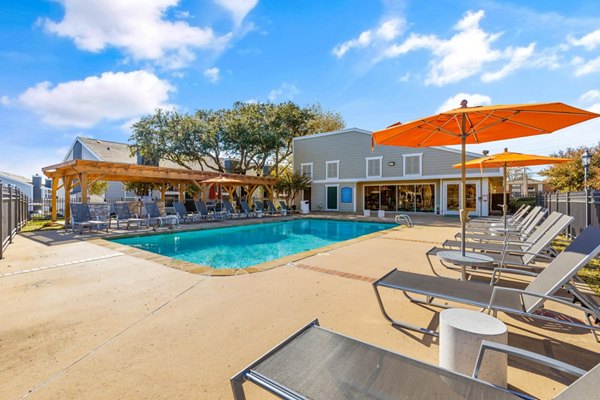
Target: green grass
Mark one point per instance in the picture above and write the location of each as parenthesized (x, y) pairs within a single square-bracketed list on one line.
[(43, 225), (590, 274)]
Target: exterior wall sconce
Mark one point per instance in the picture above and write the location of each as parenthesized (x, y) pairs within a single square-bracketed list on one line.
[(391, 163)]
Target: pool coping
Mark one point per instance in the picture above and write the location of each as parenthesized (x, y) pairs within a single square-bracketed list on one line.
[(206, 270)]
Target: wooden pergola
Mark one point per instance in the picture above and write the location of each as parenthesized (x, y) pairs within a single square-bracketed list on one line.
[(85, 172)]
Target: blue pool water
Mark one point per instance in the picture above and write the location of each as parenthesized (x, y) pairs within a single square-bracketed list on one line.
[(243, 246)]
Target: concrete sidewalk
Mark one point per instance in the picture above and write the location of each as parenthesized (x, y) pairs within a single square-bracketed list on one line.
[(95, 323)]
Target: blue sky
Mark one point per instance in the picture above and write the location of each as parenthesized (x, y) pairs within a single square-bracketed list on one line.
[(91, 67)]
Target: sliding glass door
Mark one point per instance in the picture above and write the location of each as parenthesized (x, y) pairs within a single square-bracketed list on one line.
[(404, 197)]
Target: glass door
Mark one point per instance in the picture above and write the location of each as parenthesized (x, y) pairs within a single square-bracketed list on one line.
[(452, 194)]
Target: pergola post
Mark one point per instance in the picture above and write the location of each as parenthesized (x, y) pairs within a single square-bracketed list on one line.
[(181, 188), (54, 189), (163, 191), (83, 183), (67, 181)]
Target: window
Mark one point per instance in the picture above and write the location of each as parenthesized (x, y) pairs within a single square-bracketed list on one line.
[(332, 169), (307, 169), (412, 164), (374, 167)]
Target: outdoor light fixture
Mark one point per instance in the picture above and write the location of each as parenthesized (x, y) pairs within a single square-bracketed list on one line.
[(391, 163), (586, 159)]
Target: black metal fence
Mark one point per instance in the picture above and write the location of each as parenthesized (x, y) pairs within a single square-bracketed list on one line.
[(14, 214), (575, 205)]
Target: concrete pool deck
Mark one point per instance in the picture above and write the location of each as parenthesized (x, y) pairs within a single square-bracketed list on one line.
[(86, 321)]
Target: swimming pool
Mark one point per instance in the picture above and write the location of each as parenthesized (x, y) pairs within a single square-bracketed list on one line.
[(243, 246)]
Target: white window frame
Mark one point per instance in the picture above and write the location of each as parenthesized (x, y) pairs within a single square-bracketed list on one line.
[(367, 159), (311, 169), (404, 156), (337, 162)]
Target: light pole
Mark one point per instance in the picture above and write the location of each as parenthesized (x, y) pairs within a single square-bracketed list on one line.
[(586, 158)]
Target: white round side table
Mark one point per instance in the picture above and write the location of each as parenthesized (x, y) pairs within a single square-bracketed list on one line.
[(461, 333)]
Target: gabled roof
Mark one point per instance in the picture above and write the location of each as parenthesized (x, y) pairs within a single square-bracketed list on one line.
[(15, 177), (109, 151)]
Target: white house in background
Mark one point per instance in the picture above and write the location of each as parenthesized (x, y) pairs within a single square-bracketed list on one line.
[(17, 181), (348, 176)]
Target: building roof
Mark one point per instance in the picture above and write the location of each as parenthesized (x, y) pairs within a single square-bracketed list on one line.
[(15, 177), (529, 180)]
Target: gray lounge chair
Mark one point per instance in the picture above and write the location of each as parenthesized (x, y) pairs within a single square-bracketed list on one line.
[(272, 210), (498, 298), (123, 215), (527, 223), (203, 211), (82, 218), (316, 363), (518, 215), (522, 232), (259, 206), (501, 244), (183, 214), (285, 207), (246, 209), (156, 219), (229, 210), (515, 257)]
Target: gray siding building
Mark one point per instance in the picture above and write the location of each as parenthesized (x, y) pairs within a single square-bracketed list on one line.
[(348, 176)]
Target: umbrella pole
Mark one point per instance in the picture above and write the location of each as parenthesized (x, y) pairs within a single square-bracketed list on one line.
[(504, 204), (463, 183)]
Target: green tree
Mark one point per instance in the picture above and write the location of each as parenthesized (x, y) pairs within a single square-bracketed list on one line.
[(570, 176), (98, 188), (290, 184), (139, 188)]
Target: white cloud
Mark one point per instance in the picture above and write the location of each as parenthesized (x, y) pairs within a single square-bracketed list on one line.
[(518, 57), (474, 99), (387, 31), (213, 74), (588, 67), (238, 8), (589, 41), (286, 91), (136, 27), (590, 95), (108, 97)]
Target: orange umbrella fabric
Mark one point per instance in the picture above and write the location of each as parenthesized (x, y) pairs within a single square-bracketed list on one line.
[(479, 125), (509, 159), (483, 124)]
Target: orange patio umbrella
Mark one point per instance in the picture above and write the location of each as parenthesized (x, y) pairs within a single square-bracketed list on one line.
[(222, 180), (479, 125), (506, 160)]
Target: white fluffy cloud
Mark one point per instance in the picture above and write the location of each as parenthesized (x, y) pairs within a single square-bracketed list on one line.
[(388, 30), (588, 67), (474, 99), (286, 91), (518, 56), (238, 8), (589, 41), (213, 74), (108, 97), (589, 97), (136, 27)]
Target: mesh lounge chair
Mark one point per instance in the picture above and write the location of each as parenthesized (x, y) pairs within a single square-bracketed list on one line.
[(259, 206), (203, 211), (82, 218), (229, 210), (519, 258), (271, 208), (246, 209), (518, 215), (183, 214), (154, 217), (315, 363), (527, 223), (501, 244), (124, 215), (498, 298), (523, 232), (285, 208)]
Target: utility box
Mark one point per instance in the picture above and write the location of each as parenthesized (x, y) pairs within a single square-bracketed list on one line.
[(304, 207)]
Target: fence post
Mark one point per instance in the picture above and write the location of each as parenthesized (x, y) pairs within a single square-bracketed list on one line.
[(10, 216), (1, 220)]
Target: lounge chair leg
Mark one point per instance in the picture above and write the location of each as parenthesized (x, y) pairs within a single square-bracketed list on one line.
[(237, 388)]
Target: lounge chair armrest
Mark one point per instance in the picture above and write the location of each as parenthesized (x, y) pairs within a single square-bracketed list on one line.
[(528, 355), (498, 271), (524, 253), (522, 292)]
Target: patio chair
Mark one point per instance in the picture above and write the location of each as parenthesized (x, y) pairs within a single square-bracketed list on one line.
[(203, 211), (519, 258), (494, 298), (316, 363), (496, 229), (519, 214), (531, 219), (183, 214), (503, 243), (246, 209), (259, 207), (230, 211), (287, 209), (154, 216), (82, 218), (123, 215), (271, 208)]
